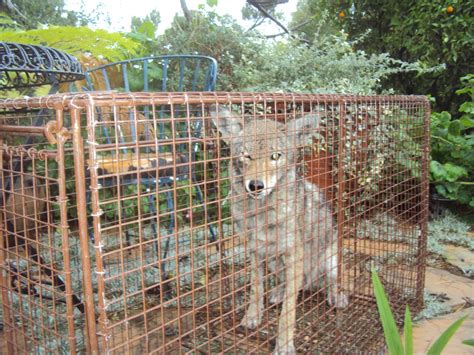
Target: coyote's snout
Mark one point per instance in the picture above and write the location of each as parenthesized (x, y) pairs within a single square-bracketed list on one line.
[(261, 172), (285, 219)]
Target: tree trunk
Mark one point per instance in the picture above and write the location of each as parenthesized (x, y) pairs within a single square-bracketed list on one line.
[(186, 11)]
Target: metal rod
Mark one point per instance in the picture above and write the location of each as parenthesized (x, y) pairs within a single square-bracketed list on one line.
[(62, 137), (156, 98), (425, 188), (79, 165), (22, 130), (4, 278), (96, 218)]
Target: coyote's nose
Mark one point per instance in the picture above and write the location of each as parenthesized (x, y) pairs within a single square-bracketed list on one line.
[(256, 185)]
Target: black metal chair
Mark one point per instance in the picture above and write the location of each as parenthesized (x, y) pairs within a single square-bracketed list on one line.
[(165, 73)]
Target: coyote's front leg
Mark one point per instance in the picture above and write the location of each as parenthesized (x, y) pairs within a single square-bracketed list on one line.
[(253, 316), (294, 282), (335, 297)]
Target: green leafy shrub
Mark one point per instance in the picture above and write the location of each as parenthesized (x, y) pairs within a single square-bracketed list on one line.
[(433, 306), (250, 62), (452, 150), (423, 31), (448, 228), (217, 36), (329, 65)]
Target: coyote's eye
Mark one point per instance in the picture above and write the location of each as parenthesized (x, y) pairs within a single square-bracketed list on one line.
[(276, 156)]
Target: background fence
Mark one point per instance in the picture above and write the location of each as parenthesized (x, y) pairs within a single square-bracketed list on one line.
[(117, 231)]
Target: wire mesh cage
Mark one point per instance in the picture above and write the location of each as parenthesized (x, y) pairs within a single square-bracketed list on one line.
[(209, 222)]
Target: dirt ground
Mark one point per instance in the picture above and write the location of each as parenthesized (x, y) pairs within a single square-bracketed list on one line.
[(427, 330), (457, 294)]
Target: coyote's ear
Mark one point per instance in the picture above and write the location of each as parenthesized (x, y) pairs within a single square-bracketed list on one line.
[(304, 128), (227, 122)]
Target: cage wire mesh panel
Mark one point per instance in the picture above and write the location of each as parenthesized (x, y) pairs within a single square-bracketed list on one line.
[(210, 222), (41, 293)]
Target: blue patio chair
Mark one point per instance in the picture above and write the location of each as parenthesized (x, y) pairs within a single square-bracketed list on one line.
[(167, 73), (163, 73)]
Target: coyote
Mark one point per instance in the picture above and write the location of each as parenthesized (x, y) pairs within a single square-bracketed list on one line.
[(284, 218)]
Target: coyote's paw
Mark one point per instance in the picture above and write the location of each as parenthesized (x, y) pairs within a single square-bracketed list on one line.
[(250, 321), (277, 295), (339, 300), (286, 349)]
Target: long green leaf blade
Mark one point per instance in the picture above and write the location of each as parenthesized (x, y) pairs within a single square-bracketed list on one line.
[(392, 337), (408, 331), (443, 339), (469, 342)]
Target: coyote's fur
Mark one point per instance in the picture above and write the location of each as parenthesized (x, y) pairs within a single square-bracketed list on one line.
[(284, 218)]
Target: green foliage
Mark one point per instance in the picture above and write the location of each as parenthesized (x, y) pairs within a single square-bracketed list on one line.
[(452, 150), (393, 149), (392, 337), (433, 306), (444, 338), (250, 12), (33, 13), (448, 229), (154, 17), (216, 36), (211, 3), (144, 29), (416, 31), (330, 64), (7, 23), (241, 55), (312, 20), (469, 342), (78, 40)]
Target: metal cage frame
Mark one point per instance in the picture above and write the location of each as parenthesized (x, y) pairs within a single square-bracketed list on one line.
[(378, 212)]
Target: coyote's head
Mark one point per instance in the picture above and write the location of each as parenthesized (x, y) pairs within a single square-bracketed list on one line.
[(264, 151)]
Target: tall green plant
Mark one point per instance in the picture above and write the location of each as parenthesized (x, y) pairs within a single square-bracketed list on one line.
[(392, 337)]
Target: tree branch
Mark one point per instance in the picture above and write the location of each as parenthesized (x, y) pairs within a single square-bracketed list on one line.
[(13, 8), (186, 11), (265, 13), (298, 26), (257, 23)]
